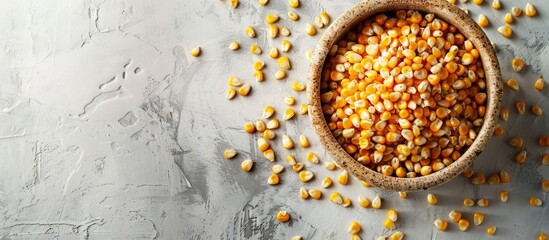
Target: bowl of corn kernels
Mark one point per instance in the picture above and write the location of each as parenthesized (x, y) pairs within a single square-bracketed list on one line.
[(404, 94)]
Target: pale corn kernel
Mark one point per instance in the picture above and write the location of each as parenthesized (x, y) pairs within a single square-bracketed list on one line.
[(542, 236), (286, 45), (262, 144), (517, 64), (249, 127), (283, 216), (268, 111), (504, 114), (312, 158), (258, 75), (336, 198), (277, 168), (363, 201), (273, 53), (478, 2), (511, 83), (503, 196), (298, 167), (289, 100), (491, 230), (247, 165), (290, 159), (255, 49), (260, 126), (234, 46), (296, 238), (463, 225), (365, 184), (521, 107), (250, 32), (432, 199), (483, 20), (389, 224), (478, 218), (273, 179), (315, 193), (229, 153), (234, 82), (496, 4), (303, 193), (329, 165), (288, 114), (343, 178), (455, 215), (284, 63), (539, 83), (287, 142), (483, 202), (530, 10), (272, 31), (263, 3), (309, 55), (269, 155), (271, 18), (318, 22), (468, 202), (545, 185), (298, 86), (398, 235), (376, 202), (280, 74), (245, 89), (392, 215), (233, 3), (306, 176), (535, 201), (325, 18), (441, 224), (303, 141), (505, 31), (285, 31), (196, 51), (303, 109), (355, 237), (293, 3), (310, 29), (381, 238), (346, 202), (231, 93), (354, 228), (293, 16), (516, 11), (504, 176), (536, 110), (403, 194), (508, 18)]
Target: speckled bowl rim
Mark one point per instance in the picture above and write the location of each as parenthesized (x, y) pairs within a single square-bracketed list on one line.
[(454, 16)]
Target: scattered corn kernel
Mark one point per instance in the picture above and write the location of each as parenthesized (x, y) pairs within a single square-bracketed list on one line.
[(478, 2), (233, 3), (286, 45), (389, 224), (289, 100), (272, 31), (504, 114), (516, 142), (231, 93), (298, 86), (287, 142), (325, 18), (303, 141), (365, 184), (250, 32), (346, 202), (336, 198), (288, 114), (363, 201), (483, 202), (263, 3), (258, 65), (508, 18), (463, 225), (441, 224), (306, 176), (503, 196), (247, 165), (392, 215), (280, 74), (498, 131), (284, 63), (329, 165), (545, 185), (536, 110), (285, 31), (273, 179), (343, 178), (545, 159), (494, 179), (273, 53), (455, 215), (258, 75), (511, 83), (432, 199), (290, 159), (483, 20), (521, 107), (303, 109), (312, 158), (271, 18), (269, 155), (478, 179), (283, 216), (504, 176), (354, 228), (234, 46), (505, 31), (293, 3), (229, 153), (535, 201), (468, 172), (496, 4), (355, 237), (296, 238), (315, 193), (277, 168), (310, 29), (398, 235), (376, 202), (255, 49), (268, 111), (298, 167), (530, 10), (249, 127), (539, 84), (272, 124), (293, 16), (468, 202), (303, 193), (478, 218), (520, 157), (234, 82), (542, 236), (543, 141), (196, 51), (491, 230), (245, 89), (517, 64), (402, 194), (262, 144), (516, 11)]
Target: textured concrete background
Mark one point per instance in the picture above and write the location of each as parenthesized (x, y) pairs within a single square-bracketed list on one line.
[(110, 130)]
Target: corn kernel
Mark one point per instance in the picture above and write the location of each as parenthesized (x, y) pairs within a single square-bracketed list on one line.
[(498, 131), (290, 159), (545, 185), (271, 18), (494, 179), (288, 114), (285, 31), (231, 93), (521, 107), (272, 124), (483, 20), (542, 236), (454, 215), (516, 142), (363, 201), (233, 3), (539, 84), (478, 218), (516, 11), (329, 165), (346, 202), (505, 31), (468, 172), (298, 86), (196, 52), (298, 167), (392, 215), (343, 178), (536, 110), (402, 194), (376, 202), (530, 10), (289, 100), (504, 114), (293, 16), (389, 224), (229, 153), (520, 157), (234, 46), (244, 90), (483, 202), (258, 75), (286, 45), (247, 165), (508, 18), (303, 193), (293, 3), (478, 2), (355, 237), (287, 142), (284, 63), (545, 159), (234, 82), (306, 176), (534, 201), (312, 158), (365, 184), (354, 228), (277, 168), (432, 199), (273, 53), (296, 238), (511, 83), (310, 29), (280, 74), (303, 109), (262, 144), (255, 49), (283, 216), (517, 64), (398, 235), (249, 127), (463, 224), (491, 230), (315, 193), (273, 179), (468, 202), (303, 141), (268, 111), (250, 32), (504, 176), (503, 196), (441, 224), (269, 155), (325, 18), (263, 3), (496, 4)]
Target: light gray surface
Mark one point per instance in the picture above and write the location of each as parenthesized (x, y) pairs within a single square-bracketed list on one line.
[(110, 130)]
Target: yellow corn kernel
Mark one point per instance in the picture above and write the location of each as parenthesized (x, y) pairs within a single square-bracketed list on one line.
[(494, 179), (303, 193), (463, 225), (288, 114), (539, 84), (535, 201), (516, 11), (504, 114), (255, 49), (258, 65), (498, 131), (343, 178), (398, 235), (392, 215), (478, 2), (545, 185), (280, 74), (468, 202), (195, 52), (247, 165), (286, 45), (260, 125), (229, 153), (262, 144), (354, 228), (511, 83), (298, 86), (441, 224), (325, 18), (249, 127), (296, 238), (284, 63), (355, 237), (520, 157), (285, 31), (542, 236), (303, 109), (496, 4), (329, 165), (545, 159), (273, 179), (269, 155), (432, 199), (233, 3), (303, 141), (293, 3), (315, 193), (365, 184), (483, 20), (245, 89), (376, 202), (271, 18), (453, 2), (298, 167), (250, 32), (517, 64), (468, 172), (234, 46), (283, 216), (293, 16), (310, 29), (258, 75), (306, 176), (508, 18), (273, 53), (516, 142), (287, 142), (346, 202), (454, 215), (311, 157), (505, 31), (277, 168), (530, 10), (536, 110), (363, 201), (272, 31), (263, 2), (389, 224), (478, 218), (268, 111), (503, 196), (234, 82), (504, 176), (491, 230), (272, 124), (231, 93), (290, 159), (336, 198), (403, 194), (289, 100), (483, 202)]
